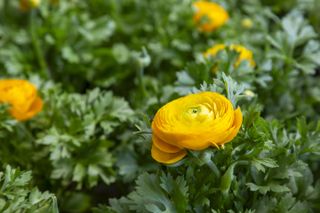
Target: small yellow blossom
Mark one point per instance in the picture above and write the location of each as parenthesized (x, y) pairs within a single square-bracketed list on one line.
[(247, 23), (22, 97), (26, 5), (244, 53), (193, 122), (209, 16)]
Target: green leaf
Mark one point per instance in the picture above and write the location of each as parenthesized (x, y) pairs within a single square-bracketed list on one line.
[(260, 164), (274, 187), (155, 194), (17, 194)]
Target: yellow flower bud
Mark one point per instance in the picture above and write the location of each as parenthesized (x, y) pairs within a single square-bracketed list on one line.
[(209, 16), (194, 122), (22, 97), (247, 23), (249, 93), (26, 5)]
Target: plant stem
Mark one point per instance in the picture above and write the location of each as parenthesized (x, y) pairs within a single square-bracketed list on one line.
[(214, 168), (141, 83), (37, 48)]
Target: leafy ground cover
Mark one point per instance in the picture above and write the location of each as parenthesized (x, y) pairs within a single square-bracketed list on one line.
[(76, 130)]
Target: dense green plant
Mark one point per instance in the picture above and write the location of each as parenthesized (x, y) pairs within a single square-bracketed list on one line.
[(78, 135), (17, 194), (103, 69), (266, 169)]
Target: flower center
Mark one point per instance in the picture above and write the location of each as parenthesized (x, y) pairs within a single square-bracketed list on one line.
[(199, 113), (194, 110)]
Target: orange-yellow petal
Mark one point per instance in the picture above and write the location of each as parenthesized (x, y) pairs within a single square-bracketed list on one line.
[(163, 146), (166, 158), (35, 108), (214, 50), (237, 125), (244, 53)]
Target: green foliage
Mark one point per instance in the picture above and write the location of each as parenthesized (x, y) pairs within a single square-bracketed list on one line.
[(17, 195), (16, 141), (265, 164), (293, 58), (104, 68), (154, 194), (78, 135), (100, 49)]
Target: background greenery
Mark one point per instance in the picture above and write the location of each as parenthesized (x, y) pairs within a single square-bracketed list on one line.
[(103, 68)]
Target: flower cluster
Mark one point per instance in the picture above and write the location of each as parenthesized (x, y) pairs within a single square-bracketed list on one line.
[(194, 122), (22, 97)]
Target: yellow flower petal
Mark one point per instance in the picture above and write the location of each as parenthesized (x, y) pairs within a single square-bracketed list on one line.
[(167, 158), (213, 51), (237, 125), (244, 53), (163, 146)]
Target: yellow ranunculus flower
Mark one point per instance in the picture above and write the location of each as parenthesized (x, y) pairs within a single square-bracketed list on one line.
[(26, 5), (209, 16), (22, 97), (244, 53), (194, 122)]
